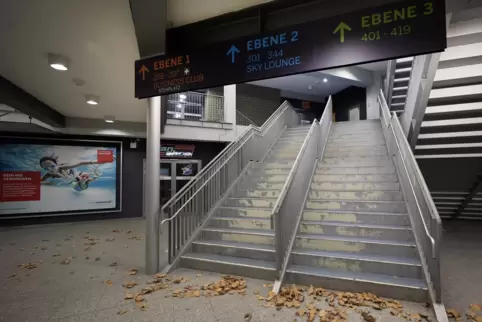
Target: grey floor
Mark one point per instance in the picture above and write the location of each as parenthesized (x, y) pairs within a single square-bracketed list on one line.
[(69, 281), (462, 264)]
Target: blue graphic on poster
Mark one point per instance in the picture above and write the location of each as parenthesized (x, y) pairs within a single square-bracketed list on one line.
[(68, 178)]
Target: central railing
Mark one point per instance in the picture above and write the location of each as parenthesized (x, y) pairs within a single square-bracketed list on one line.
[(288, 209), (426, 222), (186, 211)]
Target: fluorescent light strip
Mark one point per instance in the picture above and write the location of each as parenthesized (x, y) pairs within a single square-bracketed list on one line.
[(448, 146)]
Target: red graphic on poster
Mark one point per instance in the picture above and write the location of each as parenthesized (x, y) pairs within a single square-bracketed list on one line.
[(105, 156), (19, 186)]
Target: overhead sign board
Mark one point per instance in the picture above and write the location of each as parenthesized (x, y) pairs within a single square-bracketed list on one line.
[(395, 30)]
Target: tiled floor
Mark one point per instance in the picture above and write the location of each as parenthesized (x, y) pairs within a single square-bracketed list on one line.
[(69, 281)]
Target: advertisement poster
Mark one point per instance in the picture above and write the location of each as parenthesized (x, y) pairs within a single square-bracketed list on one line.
[(38, 178)]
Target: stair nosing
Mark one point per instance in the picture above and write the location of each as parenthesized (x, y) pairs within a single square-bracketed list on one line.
[(253, 232), (354, 225), (298, 269), (359, 257), (260, 198), (250, 246), (331, 211), (357, 240), (219, 259), (244, 207), (351, 182), (361, 201), (241, 218)]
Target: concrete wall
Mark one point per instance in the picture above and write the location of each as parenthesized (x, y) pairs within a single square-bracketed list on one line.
[(348, 98), (257, 102), (373, 111)]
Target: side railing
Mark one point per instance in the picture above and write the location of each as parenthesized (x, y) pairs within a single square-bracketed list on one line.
[(389, 79), (426, 222), (188, 209), (289, 206)]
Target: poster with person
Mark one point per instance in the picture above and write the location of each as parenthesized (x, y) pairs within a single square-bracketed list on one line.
[(38, 178)]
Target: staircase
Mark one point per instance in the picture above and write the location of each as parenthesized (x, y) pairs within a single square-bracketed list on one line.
[(355, 234), (239, 238), (403, 70)]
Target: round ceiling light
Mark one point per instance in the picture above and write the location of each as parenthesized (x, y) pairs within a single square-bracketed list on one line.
[(109, 119), (325, 80), (58, 62), (92, 99)]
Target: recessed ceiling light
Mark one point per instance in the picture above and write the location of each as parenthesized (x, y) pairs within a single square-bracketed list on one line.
[(92, 99), (109, 119), (58, 62), (325, 80), (183, 96)]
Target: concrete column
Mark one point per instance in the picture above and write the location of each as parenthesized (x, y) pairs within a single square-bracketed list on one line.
[(230, 104), (152, 190)]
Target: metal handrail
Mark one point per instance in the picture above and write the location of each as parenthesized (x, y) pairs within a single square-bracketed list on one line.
[(244, 117), (389, 125), (284, 190), (224, 152)]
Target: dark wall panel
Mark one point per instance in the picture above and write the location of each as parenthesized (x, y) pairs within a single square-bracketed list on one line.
[(349, 98), (310, 114), (257, 102)]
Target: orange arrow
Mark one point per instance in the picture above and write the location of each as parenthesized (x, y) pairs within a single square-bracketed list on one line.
[(143, 70)]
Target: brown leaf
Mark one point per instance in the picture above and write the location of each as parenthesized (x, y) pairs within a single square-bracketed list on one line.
[(453, 313), (367, 317), (136, 237), (139, 298), (301, 312), (109, 239), (478, 318), (116, 231), (132, 271), (129, 231), (114, 264), (248, 317), (121, 312), (28, 266), (179, 280), (476, 307), (87, 248), (159, 275), (311, 290), (129, 284), (128, 296), (260, 298), (56, 255), (108, 282), (97, 259), (199, 275), (142, 305), (65, 262)]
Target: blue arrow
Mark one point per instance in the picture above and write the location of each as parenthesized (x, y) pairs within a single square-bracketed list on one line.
[(233, 51)]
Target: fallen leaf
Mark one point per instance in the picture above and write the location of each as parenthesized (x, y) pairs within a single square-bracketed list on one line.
[(143, 306), (129, 231), (128, 296), (132, 271), (87, 248), (116, 231), (122, 312), (367, 317), (114, 264), (179, 280), (22, 249), (28, 266), (97, 259), (43, 248), (199, 275), (248, 317), (301, 312), (139, 298), (158, 275), (129, 284), (32, 253), (260, 298), (65, 262), (471, 315), (136, 237), (453, 313), (11, 276), (476, 307), (87, 257), (56, 255), (478, 318), (109, 239), (108, 282)]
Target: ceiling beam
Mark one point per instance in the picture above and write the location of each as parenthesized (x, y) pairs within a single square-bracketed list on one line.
[(150, 23), (18, 99), (473, 192)]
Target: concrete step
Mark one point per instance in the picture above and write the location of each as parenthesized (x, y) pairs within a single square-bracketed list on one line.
[(355, 144), (261, 185), (367, 135), (349, 205), (240, 250), (270, 171), (261, 269), (382, 232), (354, 153), (344, 149), (377, 195), (283, 154), (364, 263), (241, 222), (251, 202), (285, 148), (352, 170), (277, 165), (257, 193), (356, 186), (353, 244), (382, 285), (256, 176), (357, 217), (235, 212), (255, 236), (356, 162), (355, 178)]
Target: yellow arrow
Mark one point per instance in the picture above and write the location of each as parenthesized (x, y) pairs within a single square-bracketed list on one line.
[(143, 70), (341, 28)]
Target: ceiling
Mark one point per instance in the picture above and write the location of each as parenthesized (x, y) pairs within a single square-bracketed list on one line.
[(99, 39)]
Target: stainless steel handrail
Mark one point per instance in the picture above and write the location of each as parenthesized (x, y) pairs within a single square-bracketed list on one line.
[(389, 125), (284, 190), (225, 151)]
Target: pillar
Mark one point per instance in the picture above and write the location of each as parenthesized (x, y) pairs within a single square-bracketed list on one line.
[(152, 189), (230, 104)]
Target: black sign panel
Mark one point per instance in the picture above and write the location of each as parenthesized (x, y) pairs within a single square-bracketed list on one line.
[(396, 30), (177, 151)]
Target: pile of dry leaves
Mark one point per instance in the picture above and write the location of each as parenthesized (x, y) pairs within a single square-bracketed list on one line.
[(473, 314), (226, 285)]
